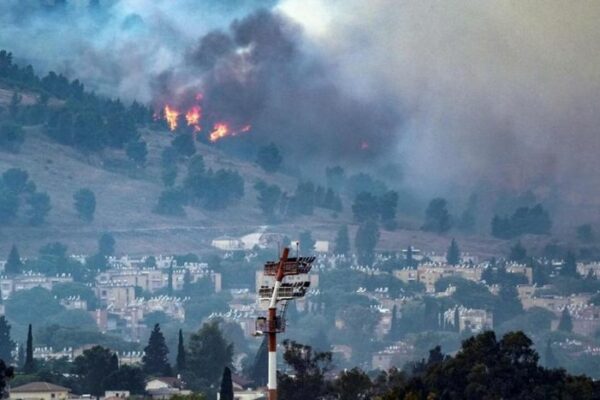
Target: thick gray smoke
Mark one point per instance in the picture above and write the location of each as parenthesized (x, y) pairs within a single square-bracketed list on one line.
[(501, 92), (462, 94)]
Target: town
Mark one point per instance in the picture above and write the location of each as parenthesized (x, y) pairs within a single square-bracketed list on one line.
[(402, 304)]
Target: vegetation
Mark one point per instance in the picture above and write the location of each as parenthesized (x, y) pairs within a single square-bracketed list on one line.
[(85, 204), (534, 220)]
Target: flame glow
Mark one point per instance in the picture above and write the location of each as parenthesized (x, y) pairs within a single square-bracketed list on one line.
[(171, 115), (220, 130), (193, 117)]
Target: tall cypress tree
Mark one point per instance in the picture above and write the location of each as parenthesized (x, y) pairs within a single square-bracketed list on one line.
[(566, 323), (180, 353), (342, 241), (13, 265), (6, 344), (260, 366), (155, 358), (394, 328), (453, 254), (170, 280), (226, 392), (29, 366)]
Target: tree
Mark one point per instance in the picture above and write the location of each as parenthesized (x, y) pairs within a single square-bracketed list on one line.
[(126, 377), (6, 344), (137, 152), (106, 245), (6, 373), (259, 371), (353, 384), (155, 358), (11, 137), (226, 392), (39, 204), (184, 145), (15, 180), (9, 205), (269, 158), (268, 197), (309, 369), (180, 363), (437, 217), (85, 204), (335, 177), (365, 207), (13, 264), (566, 323), (307, 243), (170, 202), (388, 205), (21, 356), (394, 325), (453, 253), (342, 241), (209, 353), (170, 280), (518, 253), (36, 304), (549, 357), (365, 241), (585, 233), (93, 368), (29, 366), (569, 267)]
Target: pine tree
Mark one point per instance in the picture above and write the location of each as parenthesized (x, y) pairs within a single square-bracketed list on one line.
[(170, 280), (456, 319), (549, 357), (453, 254), (394, 328), (180, 353), (13, 265), (155, 358), (6, 344), (29, 366), (226, 392), (260, 367), (569, 267), (566, 323), (342, 241), (114, 362)]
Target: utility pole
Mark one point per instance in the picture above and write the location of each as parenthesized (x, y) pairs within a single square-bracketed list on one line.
[(280, 291)]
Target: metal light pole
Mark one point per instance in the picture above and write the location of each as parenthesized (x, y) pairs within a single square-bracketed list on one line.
[(281, 291)]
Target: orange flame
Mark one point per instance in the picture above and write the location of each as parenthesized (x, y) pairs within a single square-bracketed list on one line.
[(171, 116), (193, 116), (220, 130)]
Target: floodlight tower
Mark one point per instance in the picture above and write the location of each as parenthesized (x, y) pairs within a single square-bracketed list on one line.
[(282, 290)]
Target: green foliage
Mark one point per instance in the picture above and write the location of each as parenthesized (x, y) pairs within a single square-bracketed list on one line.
[(569, 267), (156, 354), (259, 371), (453, 253), (353, 384), (534, 220), (307, 243), (585, 233), (437, 217), (268, 197), (106, 244), (7, 346), (335, 177), (127, 377), (208, 354), (226, 391), (11, 137), (80, 319), (137, 152), (9, 205), (29, 365), (367, 206), (342, 241), (518, 253), (181, 358), (15, 180), (170, 202), (85, 204), (309, 368), (13, 265), (39, 207), (93, 368), (184, 144), (269, 158), (365, 241), (36, 304), (566, 323)]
